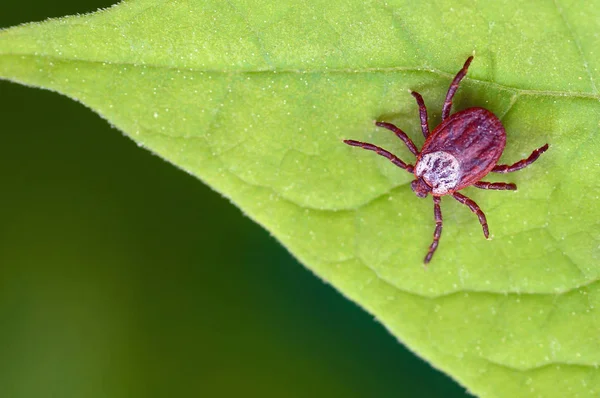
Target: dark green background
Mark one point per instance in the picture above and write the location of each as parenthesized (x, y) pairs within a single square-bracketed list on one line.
[(121, 276)]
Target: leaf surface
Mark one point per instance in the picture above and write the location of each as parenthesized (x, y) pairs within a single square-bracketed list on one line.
[(255, 99)]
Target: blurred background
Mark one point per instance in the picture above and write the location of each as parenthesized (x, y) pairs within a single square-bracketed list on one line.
[(121, 276)]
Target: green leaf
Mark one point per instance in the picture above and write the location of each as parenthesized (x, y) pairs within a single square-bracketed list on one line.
[(255, 98)]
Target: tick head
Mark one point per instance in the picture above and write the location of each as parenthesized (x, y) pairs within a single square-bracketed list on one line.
[(420, 187)]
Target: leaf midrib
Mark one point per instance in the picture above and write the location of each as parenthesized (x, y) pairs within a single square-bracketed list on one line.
[(440, 73)]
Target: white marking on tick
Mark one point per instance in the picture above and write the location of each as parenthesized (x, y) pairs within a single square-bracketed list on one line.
[(440, 170)]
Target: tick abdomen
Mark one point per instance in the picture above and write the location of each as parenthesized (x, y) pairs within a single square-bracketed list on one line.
[(440, 170), (475, 137)]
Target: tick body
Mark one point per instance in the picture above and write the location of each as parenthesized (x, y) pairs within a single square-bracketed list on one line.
[(458, 153)]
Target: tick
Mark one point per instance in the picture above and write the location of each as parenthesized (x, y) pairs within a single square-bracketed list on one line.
[(458, 153)]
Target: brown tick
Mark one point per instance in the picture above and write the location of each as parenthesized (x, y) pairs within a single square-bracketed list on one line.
[(459, 152)]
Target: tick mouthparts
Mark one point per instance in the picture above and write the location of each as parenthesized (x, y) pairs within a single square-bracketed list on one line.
[(420, 187)]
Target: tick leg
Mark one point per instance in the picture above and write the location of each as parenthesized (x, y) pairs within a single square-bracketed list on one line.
[(422, 112), (504, 168), (380, 151), (400, 134), (453, 87), (475, 209), (437, 213), (502, 186)]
